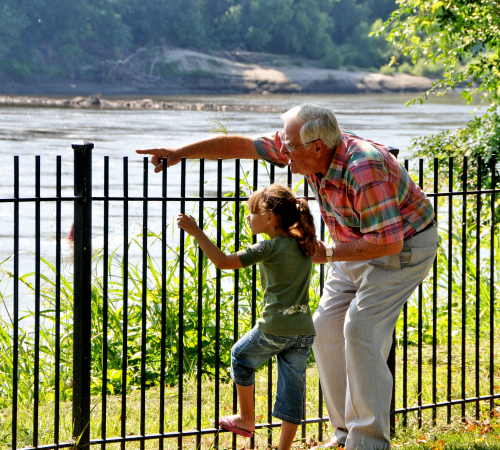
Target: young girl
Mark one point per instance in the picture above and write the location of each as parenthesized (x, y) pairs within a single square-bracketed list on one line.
[(285, 329)]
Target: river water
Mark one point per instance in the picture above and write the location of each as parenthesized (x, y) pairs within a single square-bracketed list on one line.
[(49, 132)]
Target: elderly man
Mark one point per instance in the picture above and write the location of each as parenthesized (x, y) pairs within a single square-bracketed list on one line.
[(384, 243)]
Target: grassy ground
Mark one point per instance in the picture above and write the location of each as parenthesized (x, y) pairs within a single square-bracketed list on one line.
[(480, 434)]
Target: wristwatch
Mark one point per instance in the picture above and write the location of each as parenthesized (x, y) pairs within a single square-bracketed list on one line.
[(329, 253)]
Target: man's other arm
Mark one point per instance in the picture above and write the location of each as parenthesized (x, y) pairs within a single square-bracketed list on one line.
[(358, 250)]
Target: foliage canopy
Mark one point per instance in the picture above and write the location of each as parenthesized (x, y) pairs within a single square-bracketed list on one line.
[(59, 37), (464, 36)]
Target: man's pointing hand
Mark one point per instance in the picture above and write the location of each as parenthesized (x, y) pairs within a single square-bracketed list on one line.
[(157, 156)]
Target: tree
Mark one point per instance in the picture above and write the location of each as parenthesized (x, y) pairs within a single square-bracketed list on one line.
[(176, 22), (464, 35), (68, 37), (362, 49), (58, 36), (12, 24)]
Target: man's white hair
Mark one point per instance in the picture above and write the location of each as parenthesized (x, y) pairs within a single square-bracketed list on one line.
[(318, 122)]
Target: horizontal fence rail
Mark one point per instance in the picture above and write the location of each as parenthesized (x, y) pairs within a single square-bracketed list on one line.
[(129, 341)]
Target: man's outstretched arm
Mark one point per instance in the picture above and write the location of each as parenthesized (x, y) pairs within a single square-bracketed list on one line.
[(224, 147)]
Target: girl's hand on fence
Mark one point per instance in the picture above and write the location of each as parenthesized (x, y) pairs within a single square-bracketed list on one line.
[(187, 223), (158, 155)]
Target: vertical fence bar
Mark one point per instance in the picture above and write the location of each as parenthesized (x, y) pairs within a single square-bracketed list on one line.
[(254, 240), (492, 282), (478, 281), (36, 370), (434, 299), (15, 306), (254, 275), (450, 287), (82, 309), (180, 409), (321, 287), (218, 299), (57, 331), (420, 315), (105, 275), (304, 414), (464, 282), (125, 303), (144, 308), (405, 349), (270, 402), (163, 300), (199, 370), (391, 362), (237, 231)]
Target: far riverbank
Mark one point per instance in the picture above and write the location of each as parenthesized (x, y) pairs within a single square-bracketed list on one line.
[(188, 72)]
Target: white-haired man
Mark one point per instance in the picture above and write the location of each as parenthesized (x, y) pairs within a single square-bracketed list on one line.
[(384, 243)]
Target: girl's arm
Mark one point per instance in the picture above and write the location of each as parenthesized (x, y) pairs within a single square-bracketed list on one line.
[(214, 254)]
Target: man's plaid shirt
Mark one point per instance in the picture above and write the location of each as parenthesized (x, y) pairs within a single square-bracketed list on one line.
[(365, 194)]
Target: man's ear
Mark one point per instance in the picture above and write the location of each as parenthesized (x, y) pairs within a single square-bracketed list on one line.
[(320, 149)]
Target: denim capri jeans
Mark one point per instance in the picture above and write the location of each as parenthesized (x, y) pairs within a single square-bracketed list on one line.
[(291, 353)]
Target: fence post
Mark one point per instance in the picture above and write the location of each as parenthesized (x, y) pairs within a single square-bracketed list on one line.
[(391, 361), (82, 291)]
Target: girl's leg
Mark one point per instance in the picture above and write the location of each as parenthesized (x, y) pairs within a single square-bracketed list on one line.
[(291, 388), (287, 435), (248, 353), (246, 418)]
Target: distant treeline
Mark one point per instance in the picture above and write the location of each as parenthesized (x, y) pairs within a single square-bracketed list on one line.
[(57, 37)]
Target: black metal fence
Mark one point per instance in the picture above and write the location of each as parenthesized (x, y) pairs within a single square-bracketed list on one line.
[(135, 351)]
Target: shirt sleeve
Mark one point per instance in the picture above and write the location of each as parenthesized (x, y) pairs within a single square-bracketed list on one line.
[(254, 254), (379, 214), (268, 147)]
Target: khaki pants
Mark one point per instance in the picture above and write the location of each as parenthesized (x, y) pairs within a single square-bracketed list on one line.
[(354, 323)]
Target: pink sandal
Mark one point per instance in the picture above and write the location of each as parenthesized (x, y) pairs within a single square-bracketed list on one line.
[(230, 426)]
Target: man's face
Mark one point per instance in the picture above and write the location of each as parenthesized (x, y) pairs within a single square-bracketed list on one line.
[(301, 158)]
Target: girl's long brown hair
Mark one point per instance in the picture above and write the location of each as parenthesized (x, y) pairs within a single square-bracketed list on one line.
[(292, 214)]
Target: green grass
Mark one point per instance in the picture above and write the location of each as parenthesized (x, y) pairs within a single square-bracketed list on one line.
[(152, 413), (482, 433)]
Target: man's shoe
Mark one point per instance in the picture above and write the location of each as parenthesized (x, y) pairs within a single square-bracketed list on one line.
[(332, 444)]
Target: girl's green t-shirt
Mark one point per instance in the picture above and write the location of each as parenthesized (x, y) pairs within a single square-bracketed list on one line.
[(285, 274)]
